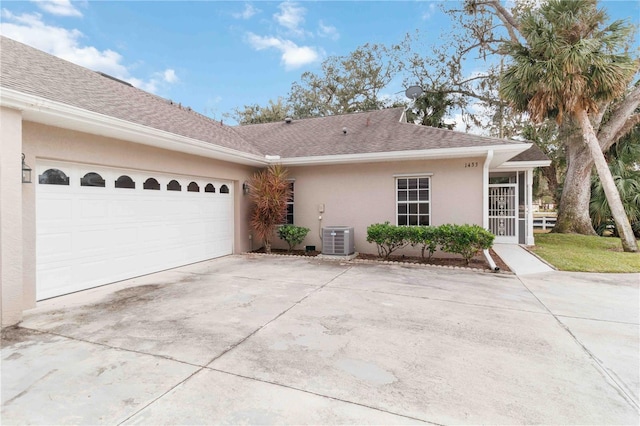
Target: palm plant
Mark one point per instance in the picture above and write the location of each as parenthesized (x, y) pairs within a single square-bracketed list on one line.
[(624, 163), (269, 192), (569, 66)]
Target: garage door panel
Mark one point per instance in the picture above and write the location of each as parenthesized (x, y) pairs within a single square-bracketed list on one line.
[(122, 208), (49, 279), (98, 269), (89, 236), (92, 209), (52, 209), (125, 236), (92, 241), (55, 245)]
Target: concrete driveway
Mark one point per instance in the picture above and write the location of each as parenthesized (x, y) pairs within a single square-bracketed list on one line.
[(262, 340)]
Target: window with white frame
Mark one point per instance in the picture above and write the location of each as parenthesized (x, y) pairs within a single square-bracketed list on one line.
[(413, 200), (289, 220)]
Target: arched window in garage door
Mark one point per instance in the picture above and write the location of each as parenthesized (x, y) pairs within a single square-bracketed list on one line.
[(193, 187), (209, 188), (53, 177), (92, 179), (174, 185), (224, 189), (151, 183), (125, 181)]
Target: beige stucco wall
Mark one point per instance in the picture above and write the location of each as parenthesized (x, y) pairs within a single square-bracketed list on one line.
[(354, 195), (11, 188), (359, 195), (52, 143)]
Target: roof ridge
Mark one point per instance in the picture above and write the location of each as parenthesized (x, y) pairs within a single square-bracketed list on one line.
[(347, 114)]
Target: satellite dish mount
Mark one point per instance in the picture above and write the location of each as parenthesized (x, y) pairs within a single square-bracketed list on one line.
[(413, 92)]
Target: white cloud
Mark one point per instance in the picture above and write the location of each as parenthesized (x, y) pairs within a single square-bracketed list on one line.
[(66, 44), (58, 7), (293, 56), (328, 31), (247, 13), (291, 16), (428, 13), (170, 76)]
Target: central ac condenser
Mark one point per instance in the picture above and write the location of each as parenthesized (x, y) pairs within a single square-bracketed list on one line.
[(338, 241)]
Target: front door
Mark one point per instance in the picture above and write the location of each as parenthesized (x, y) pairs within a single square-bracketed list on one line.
[(503, 212)]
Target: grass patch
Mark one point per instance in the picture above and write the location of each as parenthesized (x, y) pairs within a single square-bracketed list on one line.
[(584, 253)]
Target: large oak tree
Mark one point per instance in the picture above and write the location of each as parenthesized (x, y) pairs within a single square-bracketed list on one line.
[(571, 64), (481, 29)]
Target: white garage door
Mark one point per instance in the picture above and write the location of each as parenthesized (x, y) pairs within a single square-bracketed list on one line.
[(96, 225)]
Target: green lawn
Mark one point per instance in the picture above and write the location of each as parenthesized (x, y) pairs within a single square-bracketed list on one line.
[(570, 252)]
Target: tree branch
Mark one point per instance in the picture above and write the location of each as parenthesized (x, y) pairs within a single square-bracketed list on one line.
[(505, 16), (631, 122), (621, 121), (486, 99)]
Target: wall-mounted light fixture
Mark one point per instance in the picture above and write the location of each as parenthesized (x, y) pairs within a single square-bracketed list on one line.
[(245, 188), (26, 172)]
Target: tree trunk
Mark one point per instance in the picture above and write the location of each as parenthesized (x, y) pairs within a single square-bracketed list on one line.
[(573, 210), (627, 237), (550, 174)]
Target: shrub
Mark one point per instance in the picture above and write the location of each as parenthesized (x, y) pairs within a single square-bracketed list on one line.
[(292, 234), (388, 238), (269, 192), (426, 237), (465, 240)]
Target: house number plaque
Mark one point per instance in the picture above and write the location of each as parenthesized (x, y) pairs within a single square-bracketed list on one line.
[(471, 164)]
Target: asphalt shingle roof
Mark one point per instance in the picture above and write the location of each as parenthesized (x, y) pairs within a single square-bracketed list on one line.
[(367, 132), (532, 154), (34, 72), (30, 71)]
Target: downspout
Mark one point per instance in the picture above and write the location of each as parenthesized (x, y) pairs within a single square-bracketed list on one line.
[(485, 206), (485, 189)]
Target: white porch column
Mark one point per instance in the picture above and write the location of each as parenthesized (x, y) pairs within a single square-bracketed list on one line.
[(485, 189), (11, 216), (529, 207)]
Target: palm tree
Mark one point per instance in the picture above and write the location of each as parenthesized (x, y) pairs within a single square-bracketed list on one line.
[(569, 66)]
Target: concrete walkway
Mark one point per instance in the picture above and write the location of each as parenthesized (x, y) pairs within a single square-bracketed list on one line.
[(520, 260), (282, 340)]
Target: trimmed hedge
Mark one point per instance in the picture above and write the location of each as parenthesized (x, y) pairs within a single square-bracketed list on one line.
[(465, 240), (292, 234), (388, 238)]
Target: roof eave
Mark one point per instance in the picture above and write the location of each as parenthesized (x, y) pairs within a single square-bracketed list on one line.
[(45, 111), (519, 165), (501, 154)]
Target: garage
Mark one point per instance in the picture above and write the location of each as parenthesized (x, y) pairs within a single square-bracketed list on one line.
[(98, 225)]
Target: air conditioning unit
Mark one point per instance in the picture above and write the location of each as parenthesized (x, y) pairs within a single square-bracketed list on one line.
[(338, 241)]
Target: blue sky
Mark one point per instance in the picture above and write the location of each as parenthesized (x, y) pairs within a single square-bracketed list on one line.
[(217, 55)]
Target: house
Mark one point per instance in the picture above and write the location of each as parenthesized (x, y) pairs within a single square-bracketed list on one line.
[(125, 183)]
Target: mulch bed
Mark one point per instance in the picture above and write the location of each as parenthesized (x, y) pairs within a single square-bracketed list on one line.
[(477, 262)]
